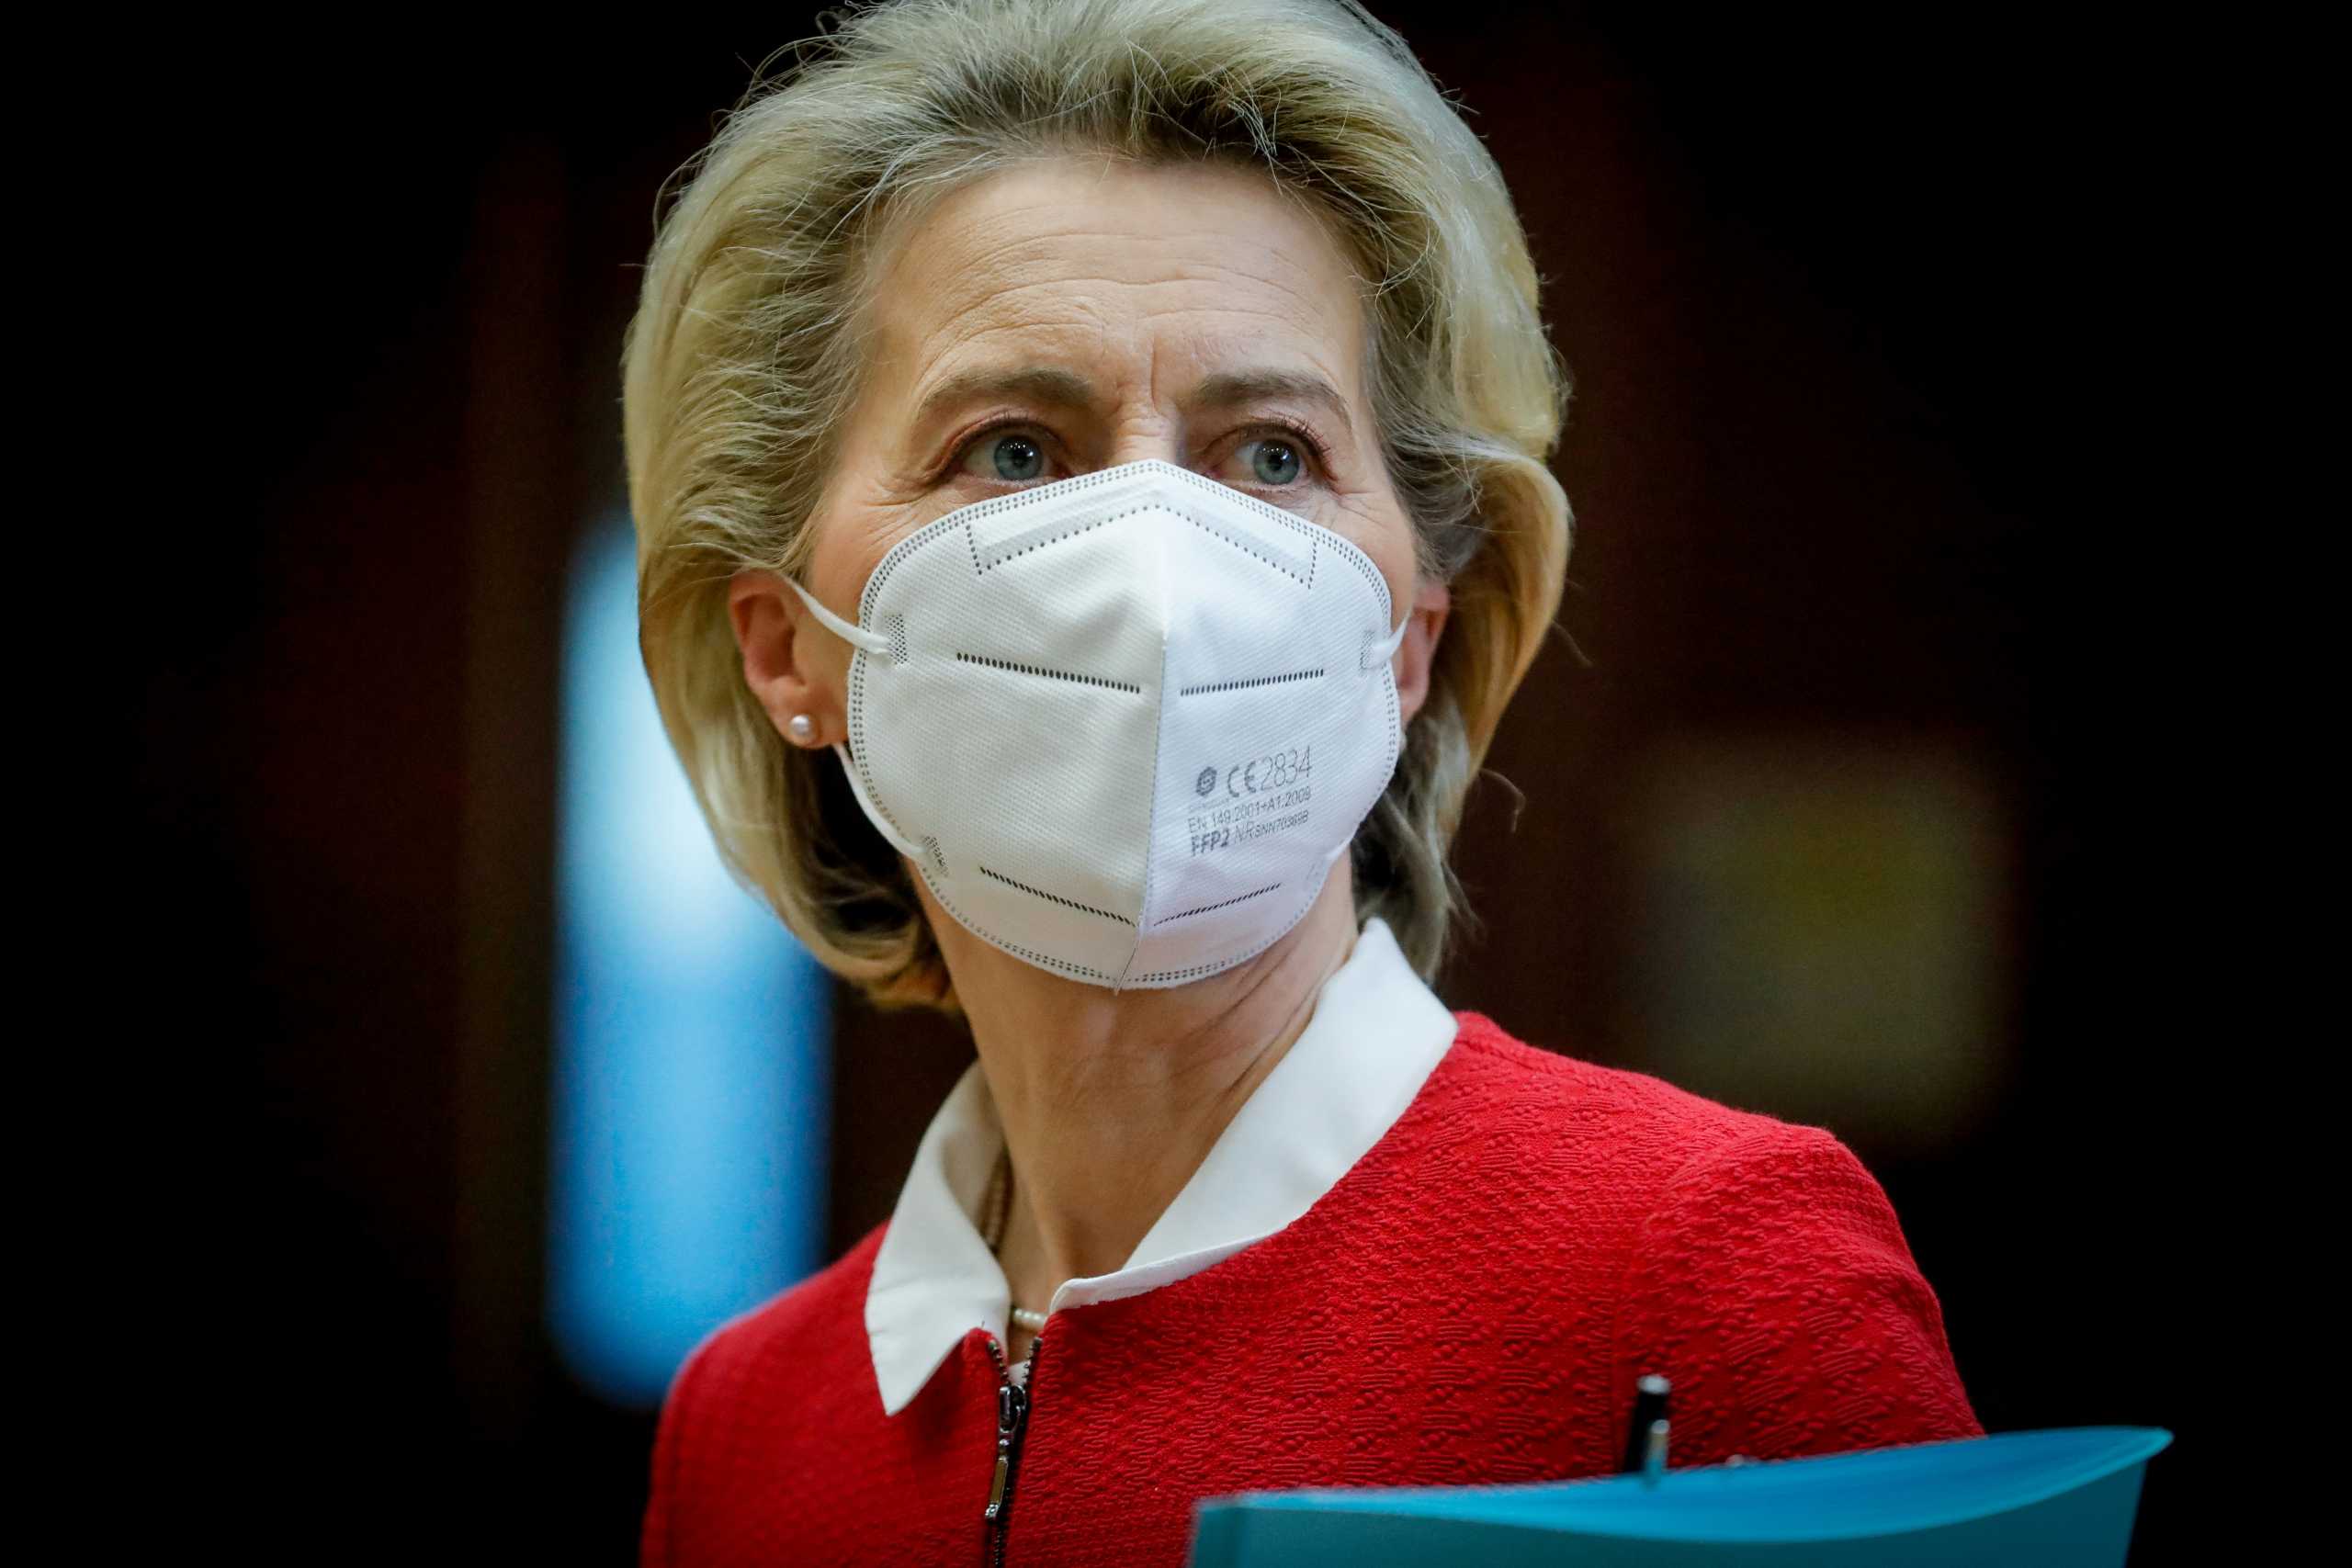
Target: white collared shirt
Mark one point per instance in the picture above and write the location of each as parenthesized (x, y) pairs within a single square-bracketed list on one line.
[(1376, 1032)]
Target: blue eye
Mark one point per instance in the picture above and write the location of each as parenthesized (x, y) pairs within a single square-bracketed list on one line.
[(1274, 462), (1017, 457)]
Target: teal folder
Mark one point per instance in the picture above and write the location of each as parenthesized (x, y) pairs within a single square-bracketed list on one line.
[(2017, 1499)]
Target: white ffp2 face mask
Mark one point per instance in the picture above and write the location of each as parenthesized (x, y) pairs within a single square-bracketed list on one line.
[(1123, 724)]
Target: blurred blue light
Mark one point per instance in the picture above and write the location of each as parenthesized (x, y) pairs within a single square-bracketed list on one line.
[(692, 1072)]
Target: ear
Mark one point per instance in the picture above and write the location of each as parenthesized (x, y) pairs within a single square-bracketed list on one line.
[(1424, 622), (791, 668)]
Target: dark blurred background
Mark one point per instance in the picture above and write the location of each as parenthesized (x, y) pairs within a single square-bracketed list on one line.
[(1832, 803)]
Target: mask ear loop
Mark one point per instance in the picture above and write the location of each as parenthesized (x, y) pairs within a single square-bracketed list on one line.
[(866, 641)]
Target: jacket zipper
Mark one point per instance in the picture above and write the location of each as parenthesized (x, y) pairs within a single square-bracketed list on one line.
[(1011, 1422)]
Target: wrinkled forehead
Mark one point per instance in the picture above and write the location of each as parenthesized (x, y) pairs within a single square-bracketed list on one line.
[(1147, 279)]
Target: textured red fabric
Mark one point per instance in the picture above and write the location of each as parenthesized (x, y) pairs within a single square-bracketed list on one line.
[(1472, 1303)]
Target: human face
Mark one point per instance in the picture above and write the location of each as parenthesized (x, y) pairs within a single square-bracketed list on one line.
[(1067, 315)]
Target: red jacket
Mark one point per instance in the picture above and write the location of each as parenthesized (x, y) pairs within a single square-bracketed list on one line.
[(1472, 1303)]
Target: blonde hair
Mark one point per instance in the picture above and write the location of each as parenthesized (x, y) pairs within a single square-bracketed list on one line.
[(745, 352)]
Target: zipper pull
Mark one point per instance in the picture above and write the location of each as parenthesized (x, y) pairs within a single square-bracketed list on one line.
[(1012, 1408)]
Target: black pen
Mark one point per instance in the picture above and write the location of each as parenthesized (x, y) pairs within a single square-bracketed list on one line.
[(1649, 1406)]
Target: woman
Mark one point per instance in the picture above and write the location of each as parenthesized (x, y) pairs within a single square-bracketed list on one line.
[(1089, 462)]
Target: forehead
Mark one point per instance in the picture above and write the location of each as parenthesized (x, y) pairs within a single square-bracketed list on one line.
[(1144, 276)]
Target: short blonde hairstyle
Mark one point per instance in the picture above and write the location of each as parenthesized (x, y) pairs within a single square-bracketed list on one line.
[(745, 353)]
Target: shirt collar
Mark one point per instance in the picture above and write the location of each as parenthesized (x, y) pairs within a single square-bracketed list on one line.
[(1376, 1033)]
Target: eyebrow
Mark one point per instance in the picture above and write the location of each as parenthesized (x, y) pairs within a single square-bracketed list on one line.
[(1057, 388), (1036, 383), (1230, 387)]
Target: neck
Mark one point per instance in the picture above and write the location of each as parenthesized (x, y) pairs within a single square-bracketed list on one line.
[(1111, 1100)]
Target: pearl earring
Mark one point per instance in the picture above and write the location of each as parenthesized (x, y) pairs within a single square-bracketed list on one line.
[(802, 728)]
